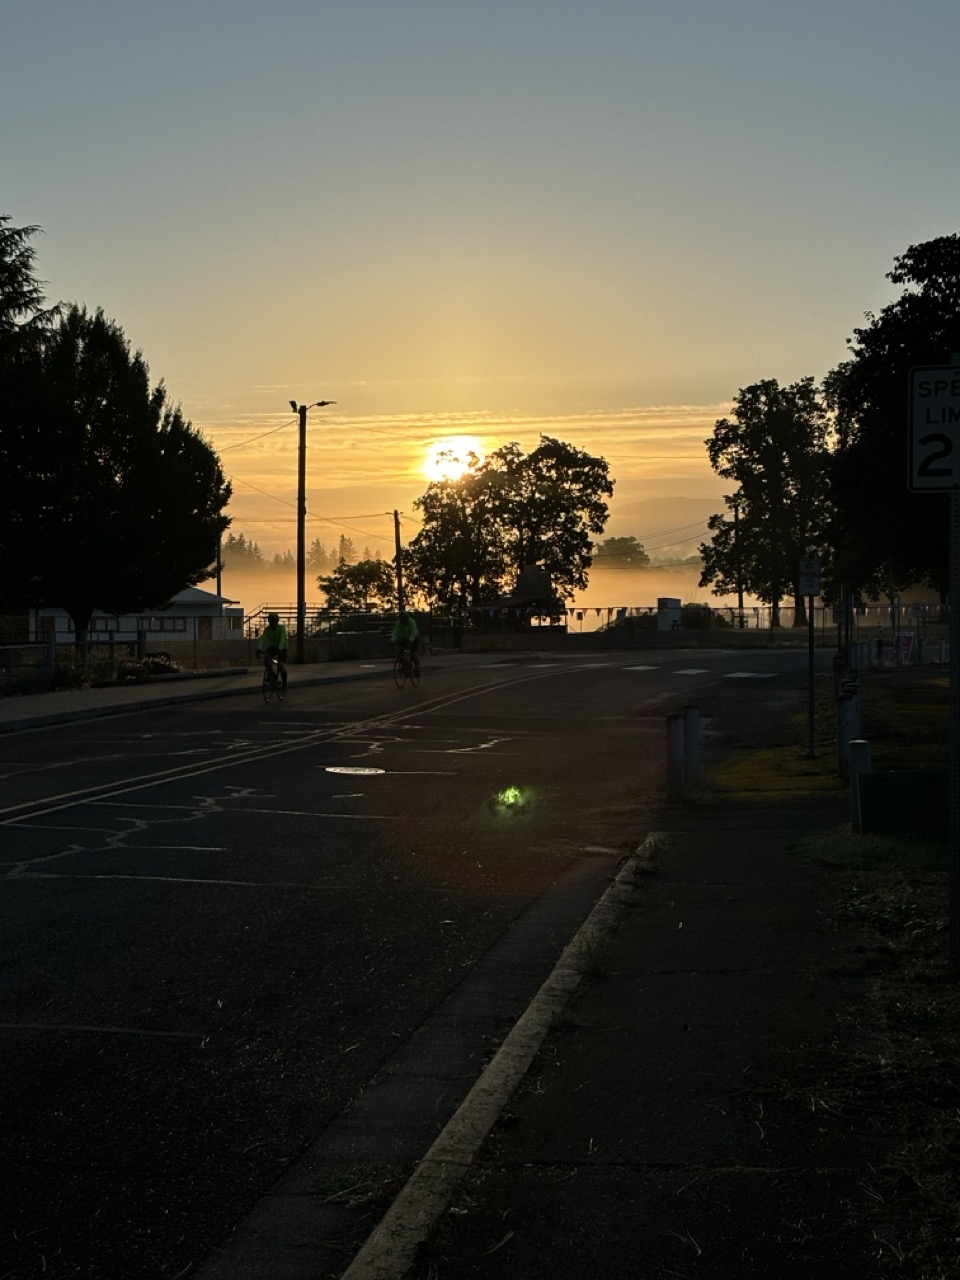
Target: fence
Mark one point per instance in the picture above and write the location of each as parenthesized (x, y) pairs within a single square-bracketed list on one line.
[(37, 666)]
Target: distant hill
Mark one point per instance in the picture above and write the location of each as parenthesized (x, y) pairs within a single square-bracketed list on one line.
[(669, 528)]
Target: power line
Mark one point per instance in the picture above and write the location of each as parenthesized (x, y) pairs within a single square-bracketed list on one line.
[(271, 432), (241, 480)]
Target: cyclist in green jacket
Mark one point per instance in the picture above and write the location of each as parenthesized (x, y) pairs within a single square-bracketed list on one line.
[(273, 643), (406, 635)]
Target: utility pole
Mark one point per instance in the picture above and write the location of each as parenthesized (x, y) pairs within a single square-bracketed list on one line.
[(301, 411), (399, 561), (736, 554)]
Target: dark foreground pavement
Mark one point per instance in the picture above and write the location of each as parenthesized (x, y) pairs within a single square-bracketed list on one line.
[(672, 1123), (670, 1126)]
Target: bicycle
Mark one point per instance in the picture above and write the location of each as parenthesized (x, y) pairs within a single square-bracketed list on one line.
[(273, 686), (405, 668)]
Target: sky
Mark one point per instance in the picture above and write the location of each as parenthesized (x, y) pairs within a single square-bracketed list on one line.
[(595, 219)]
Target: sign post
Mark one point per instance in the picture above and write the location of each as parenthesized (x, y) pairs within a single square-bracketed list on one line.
[(808, 584), (934, 462)]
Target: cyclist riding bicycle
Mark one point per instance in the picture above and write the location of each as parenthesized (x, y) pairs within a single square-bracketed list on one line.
[(273, 644), (406, 635)]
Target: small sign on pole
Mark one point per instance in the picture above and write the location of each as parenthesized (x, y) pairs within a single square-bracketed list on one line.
[(934, 466), (934, 428), (808, 578), (808, 584)]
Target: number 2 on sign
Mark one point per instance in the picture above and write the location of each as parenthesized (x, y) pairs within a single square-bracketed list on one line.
[(945, 443)]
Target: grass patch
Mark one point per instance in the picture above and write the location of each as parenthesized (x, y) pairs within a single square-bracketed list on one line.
[(901, 1071), (847, 849)]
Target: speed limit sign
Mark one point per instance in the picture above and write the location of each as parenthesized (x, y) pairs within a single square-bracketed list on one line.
[(934, 428)]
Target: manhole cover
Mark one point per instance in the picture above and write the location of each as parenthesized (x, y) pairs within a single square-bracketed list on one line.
[(350, 768)]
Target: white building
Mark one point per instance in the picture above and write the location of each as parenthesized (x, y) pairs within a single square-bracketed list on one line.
[(192, 614)]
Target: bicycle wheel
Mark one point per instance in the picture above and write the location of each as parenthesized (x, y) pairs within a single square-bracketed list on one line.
[(414, 673), (399, 672), (268, 684), (281, 688)]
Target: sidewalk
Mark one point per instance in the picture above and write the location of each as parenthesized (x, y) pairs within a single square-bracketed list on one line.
[(673, 1124), (38, 710)]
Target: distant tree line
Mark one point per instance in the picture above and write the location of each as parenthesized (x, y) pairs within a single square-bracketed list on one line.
[(240, 552), (109, 499), (822, 470)]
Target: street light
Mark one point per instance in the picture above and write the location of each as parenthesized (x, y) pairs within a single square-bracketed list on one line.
[(301, 411)]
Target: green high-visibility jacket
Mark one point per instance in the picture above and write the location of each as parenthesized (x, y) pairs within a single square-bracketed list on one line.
[(273, 638)]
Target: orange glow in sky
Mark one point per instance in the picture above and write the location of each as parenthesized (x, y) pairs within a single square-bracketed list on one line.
[(475, 223)]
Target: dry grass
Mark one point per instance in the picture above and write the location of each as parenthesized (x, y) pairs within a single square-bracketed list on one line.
[(903, 1076)]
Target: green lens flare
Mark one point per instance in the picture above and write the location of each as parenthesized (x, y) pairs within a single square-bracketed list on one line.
[(511, 797)]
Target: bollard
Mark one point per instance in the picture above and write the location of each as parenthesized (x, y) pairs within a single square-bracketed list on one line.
[(675, 758), (691, 745), (844, 733), (858, 756)]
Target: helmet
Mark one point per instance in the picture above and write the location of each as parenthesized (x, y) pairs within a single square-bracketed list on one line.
[(404, 615), (273, 618)]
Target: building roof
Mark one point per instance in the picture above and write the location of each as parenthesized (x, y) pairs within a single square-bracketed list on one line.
[(195, 595)]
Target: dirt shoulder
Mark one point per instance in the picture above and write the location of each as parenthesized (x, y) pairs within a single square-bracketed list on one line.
[(898, 1071)]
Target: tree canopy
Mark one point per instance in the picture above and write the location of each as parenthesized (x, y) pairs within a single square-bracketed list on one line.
[(775, 447), (620, 553), (885, 536), (360, 588), (509, 510), (110, 499), (22, 311)]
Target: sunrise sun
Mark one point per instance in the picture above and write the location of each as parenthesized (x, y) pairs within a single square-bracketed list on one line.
[(452, 456)]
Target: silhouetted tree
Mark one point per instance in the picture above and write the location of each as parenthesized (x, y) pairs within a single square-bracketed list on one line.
[(240, 552), (23, 316), (776, 447), (885, 536), (109, 499), (24, 320), (346, 550), (360, 588), (509, 510), (620, 553), (457, 555), (284, 562)]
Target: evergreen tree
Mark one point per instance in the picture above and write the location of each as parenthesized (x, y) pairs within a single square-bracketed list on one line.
[(95, 451)]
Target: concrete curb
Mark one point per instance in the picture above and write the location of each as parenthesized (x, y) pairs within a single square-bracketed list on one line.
[(391, 1248)]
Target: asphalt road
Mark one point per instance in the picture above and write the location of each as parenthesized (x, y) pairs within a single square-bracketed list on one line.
[(219, 920)]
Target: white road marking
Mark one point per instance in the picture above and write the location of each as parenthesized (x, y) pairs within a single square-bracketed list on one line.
[(750, 675), (9, 814), (693, 671), (641, 668), (116, 1031), (305, 813), (319, 886)]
